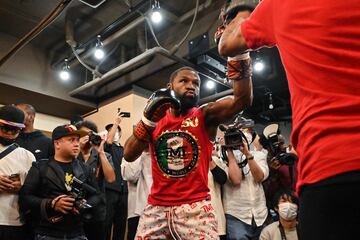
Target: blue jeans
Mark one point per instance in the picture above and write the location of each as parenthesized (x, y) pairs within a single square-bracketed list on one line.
[(238, 230), (44, 237)]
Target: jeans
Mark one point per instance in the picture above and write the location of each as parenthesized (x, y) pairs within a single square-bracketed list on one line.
[(44, 237), (238, 230)]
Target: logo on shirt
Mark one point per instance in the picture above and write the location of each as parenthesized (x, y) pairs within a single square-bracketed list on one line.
[(68, 179), (176, 153), (190, 122)]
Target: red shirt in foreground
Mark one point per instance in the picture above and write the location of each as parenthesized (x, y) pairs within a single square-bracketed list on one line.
[(319, 43)]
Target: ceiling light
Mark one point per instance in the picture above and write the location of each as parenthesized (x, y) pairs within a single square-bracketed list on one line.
[(259, 66), (99, 51), (64, 73), (271, 105), (210, 84), (156, 16)]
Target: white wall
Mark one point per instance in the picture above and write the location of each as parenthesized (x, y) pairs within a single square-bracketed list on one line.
[(129, 102)]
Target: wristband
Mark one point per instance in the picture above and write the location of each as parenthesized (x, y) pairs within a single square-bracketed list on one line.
[(238, 69), (250, 158), (148, 122), (142, 132)]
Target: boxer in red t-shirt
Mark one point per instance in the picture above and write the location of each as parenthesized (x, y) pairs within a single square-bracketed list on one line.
[(180, 135), (319, 46)]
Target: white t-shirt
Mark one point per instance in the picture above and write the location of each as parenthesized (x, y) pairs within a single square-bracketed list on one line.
[(247, 200), (216, 201), (272, 232), (18, 161), (139, 176)]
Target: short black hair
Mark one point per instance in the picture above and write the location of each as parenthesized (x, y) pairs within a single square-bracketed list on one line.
[(175, 73), (88, 124), (283, 193)]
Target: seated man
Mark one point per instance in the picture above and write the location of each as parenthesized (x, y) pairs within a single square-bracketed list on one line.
[(53, 189), (287, 207)]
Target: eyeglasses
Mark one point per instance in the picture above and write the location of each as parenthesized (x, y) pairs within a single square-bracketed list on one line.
[(11, 129)]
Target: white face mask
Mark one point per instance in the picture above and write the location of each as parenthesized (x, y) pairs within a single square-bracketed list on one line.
[(248, 137), (116, 137), (288, 210)]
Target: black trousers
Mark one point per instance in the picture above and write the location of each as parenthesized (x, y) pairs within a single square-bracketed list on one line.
[(330, 209), (132, 227), (116, 214), (95, 230), (12, 233)]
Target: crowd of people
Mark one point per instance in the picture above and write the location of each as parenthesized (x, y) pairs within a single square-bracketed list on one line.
[(175, 178)]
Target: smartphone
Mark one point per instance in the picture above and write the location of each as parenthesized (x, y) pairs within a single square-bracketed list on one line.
[(15, 177), (124, 114)]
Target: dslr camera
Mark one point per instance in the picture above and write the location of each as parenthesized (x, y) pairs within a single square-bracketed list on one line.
[(78, 191), (95, 138), (273, 141), (233, 135)]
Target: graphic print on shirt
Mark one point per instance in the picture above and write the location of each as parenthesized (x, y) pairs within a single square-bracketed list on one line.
[(177, 153), (68, 179)]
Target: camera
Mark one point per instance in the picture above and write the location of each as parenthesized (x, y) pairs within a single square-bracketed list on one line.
[(78, 191), (233, 135), (273, 141), (95, 138)]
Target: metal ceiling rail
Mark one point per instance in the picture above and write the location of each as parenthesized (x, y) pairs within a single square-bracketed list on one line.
[(137, 61)]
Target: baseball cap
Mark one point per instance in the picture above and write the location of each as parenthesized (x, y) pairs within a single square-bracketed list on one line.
[(109, 126), (11, 115), (67, 130)]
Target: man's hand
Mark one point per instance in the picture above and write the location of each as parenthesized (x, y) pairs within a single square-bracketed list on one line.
[(7, 185), (63, 204), (84, 140), (100, 148)]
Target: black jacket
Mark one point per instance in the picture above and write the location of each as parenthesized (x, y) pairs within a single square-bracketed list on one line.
[(37, 143), (45, 181)]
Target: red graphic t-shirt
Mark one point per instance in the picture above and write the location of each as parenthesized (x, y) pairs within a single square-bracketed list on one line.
[(181, 151)]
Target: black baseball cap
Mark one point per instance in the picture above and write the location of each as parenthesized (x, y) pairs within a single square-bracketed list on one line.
[(67, 130), (109, 126), (11, 115)]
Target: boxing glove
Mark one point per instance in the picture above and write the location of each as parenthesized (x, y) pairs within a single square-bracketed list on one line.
[(159, 102)]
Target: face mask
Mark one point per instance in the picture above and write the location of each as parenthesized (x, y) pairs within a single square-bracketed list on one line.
[(116, 137), (6, 142), (288, 210), (248, 137)]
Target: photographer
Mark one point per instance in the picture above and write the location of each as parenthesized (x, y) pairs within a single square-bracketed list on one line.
[(100, 163), (48, 190), (244, 198), (116, 192), (282, 160)]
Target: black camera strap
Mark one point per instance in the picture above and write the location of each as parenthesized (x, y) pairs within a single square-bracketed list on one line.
[(8, 150), (282, 231)]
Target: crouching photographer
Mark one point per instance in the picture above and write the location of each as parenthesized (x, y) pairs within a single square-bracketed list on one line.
[(244, 198), (282, 160), (60, 193)]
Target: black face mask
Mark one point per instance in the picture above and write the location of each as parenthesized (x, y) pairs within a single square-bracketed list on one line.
[(6, 142)]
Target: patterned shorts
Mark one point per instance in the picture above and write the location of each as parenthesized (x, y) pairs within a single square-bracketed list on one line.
[(187, 221)]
